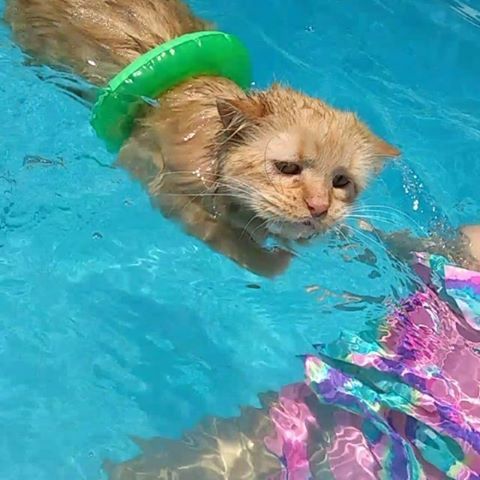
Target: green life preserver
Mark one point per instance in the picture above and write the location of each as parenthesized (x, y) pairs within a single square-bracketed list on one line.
[(160, 69)]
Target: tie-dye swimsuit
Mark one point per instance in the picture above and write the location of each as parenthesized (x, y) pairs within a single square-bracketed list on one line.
[(402, 406)]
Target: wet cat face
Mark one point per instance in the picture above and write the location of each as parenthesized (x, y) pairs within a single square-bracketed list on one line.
[(294, 162)]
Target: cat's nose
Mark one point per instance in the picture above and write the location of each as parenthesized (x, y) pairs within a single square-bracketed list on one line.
[(317, 206)]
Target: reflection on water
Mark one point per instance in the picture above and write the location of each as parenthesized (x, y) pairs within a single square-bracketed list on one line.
[(468, 10), (217, 448), (399, 400)]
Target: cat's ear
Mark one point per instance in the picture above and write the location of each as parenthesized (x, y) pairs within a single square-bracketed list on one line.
[(239, 116), (383, 149), (379, 148)]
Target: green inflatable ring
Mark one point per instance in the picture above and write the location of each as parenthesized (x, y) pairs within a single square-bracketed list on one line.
[(160, 69)]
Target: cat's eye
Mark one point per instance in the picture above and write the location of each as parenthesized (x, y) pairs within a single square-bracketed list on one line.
[(340, 181), (288, 168)]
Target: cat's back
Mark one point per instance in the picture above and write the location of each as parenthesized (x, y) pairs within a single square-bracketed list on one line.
[(97, 37)]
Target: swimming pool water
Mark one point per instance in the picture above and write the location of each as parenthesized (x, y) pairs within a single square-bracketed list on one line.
[(114, 323)]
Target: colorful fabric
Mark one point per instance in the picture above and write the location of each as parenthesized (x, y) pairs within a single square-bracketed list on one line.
[(401, 405)]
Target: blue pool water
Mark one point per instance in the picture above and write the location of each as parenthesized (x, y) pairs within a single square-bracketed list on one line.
[(114, 323)]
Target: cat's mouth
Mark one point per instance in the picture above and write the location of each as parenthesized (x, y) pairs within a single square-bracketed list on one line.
[(296, 230)]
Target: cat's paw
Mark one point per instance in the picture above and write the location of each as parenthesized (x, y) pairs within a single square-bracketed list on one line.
[(472, 235), (276, 261), (365, 225)]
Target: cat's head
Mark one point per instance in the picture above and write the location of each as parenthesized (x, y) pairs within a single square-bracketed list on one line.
[(295, 162)]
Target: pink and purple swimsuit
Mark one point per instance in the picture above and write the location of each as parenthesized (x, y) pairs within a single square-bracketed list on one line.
[(402, 406)]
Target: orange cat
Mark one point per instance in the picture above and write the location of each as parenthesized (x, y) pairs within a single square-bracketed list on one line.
[(234, 168)]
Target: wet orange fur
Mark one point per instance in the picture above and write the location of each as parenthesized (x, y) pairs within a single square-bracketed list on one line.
[(207, 152)]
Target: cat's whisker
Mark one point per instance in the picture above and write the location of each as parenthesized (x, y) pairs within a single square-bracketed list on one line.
[(387, 210), (245, 228), (371, 215), (378, 211), (262, 225), (186, 194), (184, 206), (385, 214), (199, 174), (215, 179), (252, 191), (248, 189), (338, 229), (370, 218), (370, 240), (384, 208), (236, 180)]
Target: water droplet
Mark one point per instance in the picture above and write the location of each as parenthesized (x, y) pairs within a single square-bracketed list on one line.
[(150, 101), (189, 136)]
